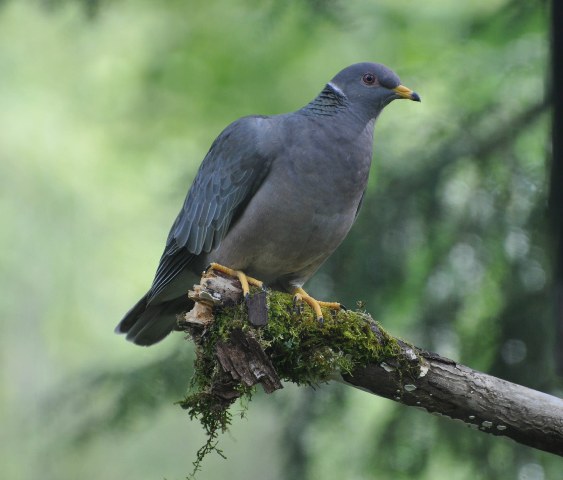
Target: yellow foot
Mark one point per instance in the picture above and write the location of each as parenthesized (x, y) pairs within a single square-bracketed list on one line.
[(300, 295), (244, 280)]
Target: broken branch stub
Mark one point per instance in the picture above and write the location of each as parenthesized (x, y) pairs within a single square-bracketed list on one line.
[(241, 358)]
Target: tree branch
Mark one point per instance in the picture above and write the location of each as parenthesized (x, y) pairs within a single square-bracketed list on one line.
[(481, 401), (233, 355)]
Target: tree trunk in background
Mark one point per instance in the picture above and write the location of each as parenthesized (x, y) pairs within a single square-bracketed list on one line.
[(555, 206)]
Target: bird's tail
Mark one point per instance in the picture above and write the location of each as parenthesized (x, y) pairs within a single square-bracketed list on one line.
[(146, 324)]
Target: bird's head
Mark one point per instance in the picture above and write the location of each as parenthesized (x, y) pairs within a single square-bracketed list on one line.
[(370, 87)]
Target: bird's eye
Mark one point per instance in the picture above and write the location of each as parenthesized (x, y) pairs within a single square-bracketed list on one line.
[(369, 79)]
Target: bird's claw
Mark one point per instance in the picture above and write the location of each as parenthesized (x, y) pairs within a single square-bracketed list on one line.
[(245, 280), (301, 295)]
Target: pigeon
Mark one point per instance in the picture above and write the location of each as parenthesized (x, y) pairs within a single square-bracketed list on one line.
[(273, 198)]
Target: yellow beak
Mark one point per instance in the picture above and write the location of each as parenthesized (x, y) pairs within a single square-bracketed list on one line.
[(405, 92)]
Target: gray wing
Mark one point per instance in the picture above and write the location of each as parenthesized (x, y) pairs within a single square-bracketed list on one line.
[(230, 174)]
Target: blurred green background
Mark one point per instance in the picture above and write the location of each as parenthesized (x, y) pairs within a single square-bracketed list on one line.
[(106, 111)]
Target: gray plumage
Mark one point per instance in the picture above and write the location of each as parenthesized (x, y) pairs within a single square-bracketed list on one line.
[(273, 197)]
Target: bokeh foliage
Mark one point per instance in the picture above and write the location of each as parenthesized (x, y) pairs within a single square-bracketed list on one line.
[(107, 108)]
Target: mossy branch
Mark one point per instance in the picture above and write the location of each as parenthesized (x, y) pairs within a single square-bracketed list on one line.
[(233, 355)]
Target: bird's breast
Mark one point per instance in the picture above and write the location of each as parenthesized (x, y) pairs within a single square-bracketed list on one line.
[(300, 214)]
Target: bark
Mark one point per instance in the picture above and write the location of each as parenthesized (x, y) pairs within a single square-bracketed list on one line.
[(481, 401), (414, 377)]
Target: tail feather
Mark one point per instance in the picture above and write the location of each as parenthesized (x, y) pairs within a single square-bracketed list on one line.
[(146, 324), (132, 315)]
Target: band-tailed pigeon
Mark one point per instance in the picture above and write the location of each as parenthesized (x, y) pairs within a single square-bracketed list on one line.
[(273, 198)]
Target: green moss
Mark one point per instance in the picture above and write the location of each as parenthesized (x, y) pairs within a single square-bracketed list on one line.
[(306, 351), (302, 350)]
